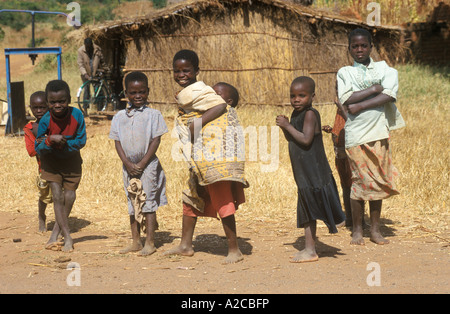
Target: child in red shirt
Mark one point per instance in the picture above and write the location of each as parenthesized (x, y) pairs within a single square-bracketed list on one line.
[(38, 106)]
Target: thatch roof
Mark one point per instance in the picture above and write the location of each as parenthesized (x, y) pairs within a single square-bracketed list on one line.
[(257, 45), (190, 7)]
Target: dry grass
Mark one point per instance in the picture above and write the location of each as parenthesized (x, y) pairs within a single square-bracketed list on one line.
[(420, 152)]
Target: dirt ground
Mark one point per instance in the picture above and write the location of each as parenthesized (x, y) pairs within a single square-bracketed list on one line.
[(407, 265)]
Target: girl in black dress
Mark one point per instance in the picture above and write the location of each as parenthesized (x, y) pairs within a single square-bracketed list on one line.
[(318, 197)]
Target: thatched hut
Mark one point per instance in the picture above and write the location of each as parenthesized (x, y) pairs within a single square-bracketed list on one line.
[(257, 45)]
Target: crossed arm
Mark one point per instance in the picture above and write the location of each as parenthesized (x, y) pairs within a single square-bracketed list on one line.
[(361, 100)]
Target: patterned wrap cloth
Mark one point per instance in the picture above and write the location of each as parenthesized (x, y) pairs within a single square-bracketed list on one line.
[(218, 154)]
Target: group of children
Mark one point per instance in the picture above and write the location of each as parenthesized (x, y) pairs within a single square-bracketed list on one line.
[(366, 112)]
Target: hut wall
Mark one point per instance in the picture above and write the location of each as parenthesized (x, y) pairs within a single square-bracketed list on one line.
[(258, 49)]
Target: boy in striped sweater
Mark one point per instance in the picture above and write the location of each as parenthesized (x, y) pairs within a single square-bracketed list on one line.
[(64, 132)]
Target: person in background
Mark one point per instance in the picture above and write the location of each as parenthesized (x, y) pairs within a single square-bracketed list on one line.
[(38, 106), (90, 63)]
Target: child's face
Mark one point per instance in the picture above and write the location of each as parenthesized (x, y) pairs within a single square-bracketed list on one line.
[(38, 107), (224, 92), (301, 96), (58, 102), (360, 49), (137, 93), (184, 73)]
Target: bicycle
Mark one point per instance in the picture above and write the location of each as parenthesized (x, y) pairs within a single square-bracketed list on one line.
[(101, 97)]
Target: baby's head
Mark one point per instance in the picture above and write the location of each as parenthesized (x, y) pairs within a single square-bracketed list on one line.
[(136, 88), (38, 104), (360, 45), (185, 67), (57, 93), (228, 92)]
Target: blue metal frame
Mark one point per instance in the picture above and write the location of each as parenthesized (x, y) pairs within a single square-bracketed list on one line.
[(27, 51)]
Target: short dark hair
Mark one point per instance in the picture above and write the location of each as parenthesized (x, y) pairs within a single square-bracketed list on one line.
[(234, 94), (56, 86), (136, 76), (306, 80), (38, 94), (188, 55), (360, 32), (88, 41)]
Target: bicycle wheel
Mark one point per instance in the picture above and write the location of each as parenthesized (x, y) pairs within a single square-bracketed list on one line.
[(114, 103), (83, 98), (101, 97)]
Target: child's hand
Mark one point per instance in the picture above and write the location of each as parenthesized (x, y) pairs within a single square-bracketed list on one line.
[(39, 140), (133, 169), (377, 88), (354, 108), (57, 140), (193, 129), (327, 128), (282, 121)]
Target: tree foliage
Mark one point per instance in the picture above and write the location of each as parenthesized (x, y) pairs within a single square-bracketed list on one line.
[(91, 11)]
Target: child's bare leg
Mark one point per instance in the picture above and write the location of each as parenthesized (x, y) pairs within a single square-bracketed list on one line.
[(136, 245), (58, 205), (234, 254), (347, 205), (69, 199), (375, 214), (357, 217), (185, 248), (149, 247), (309, 253), (61, 216), (41, 216)]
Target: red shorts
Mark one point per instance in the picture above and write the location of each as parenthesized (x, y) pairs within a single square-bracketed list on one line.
[(221, 198)]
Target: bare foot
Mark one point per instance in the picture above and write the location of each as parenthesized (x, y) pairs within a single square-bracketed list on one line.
[(179, 250), (54, 246), (357, 239), (305, 256), (377, 238), (134, 247), (233, 257), (68, 247), (147, 250)]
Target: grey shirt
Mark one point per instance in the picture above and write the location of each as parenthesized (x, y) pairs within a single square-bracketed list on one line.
[(135, 130)]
